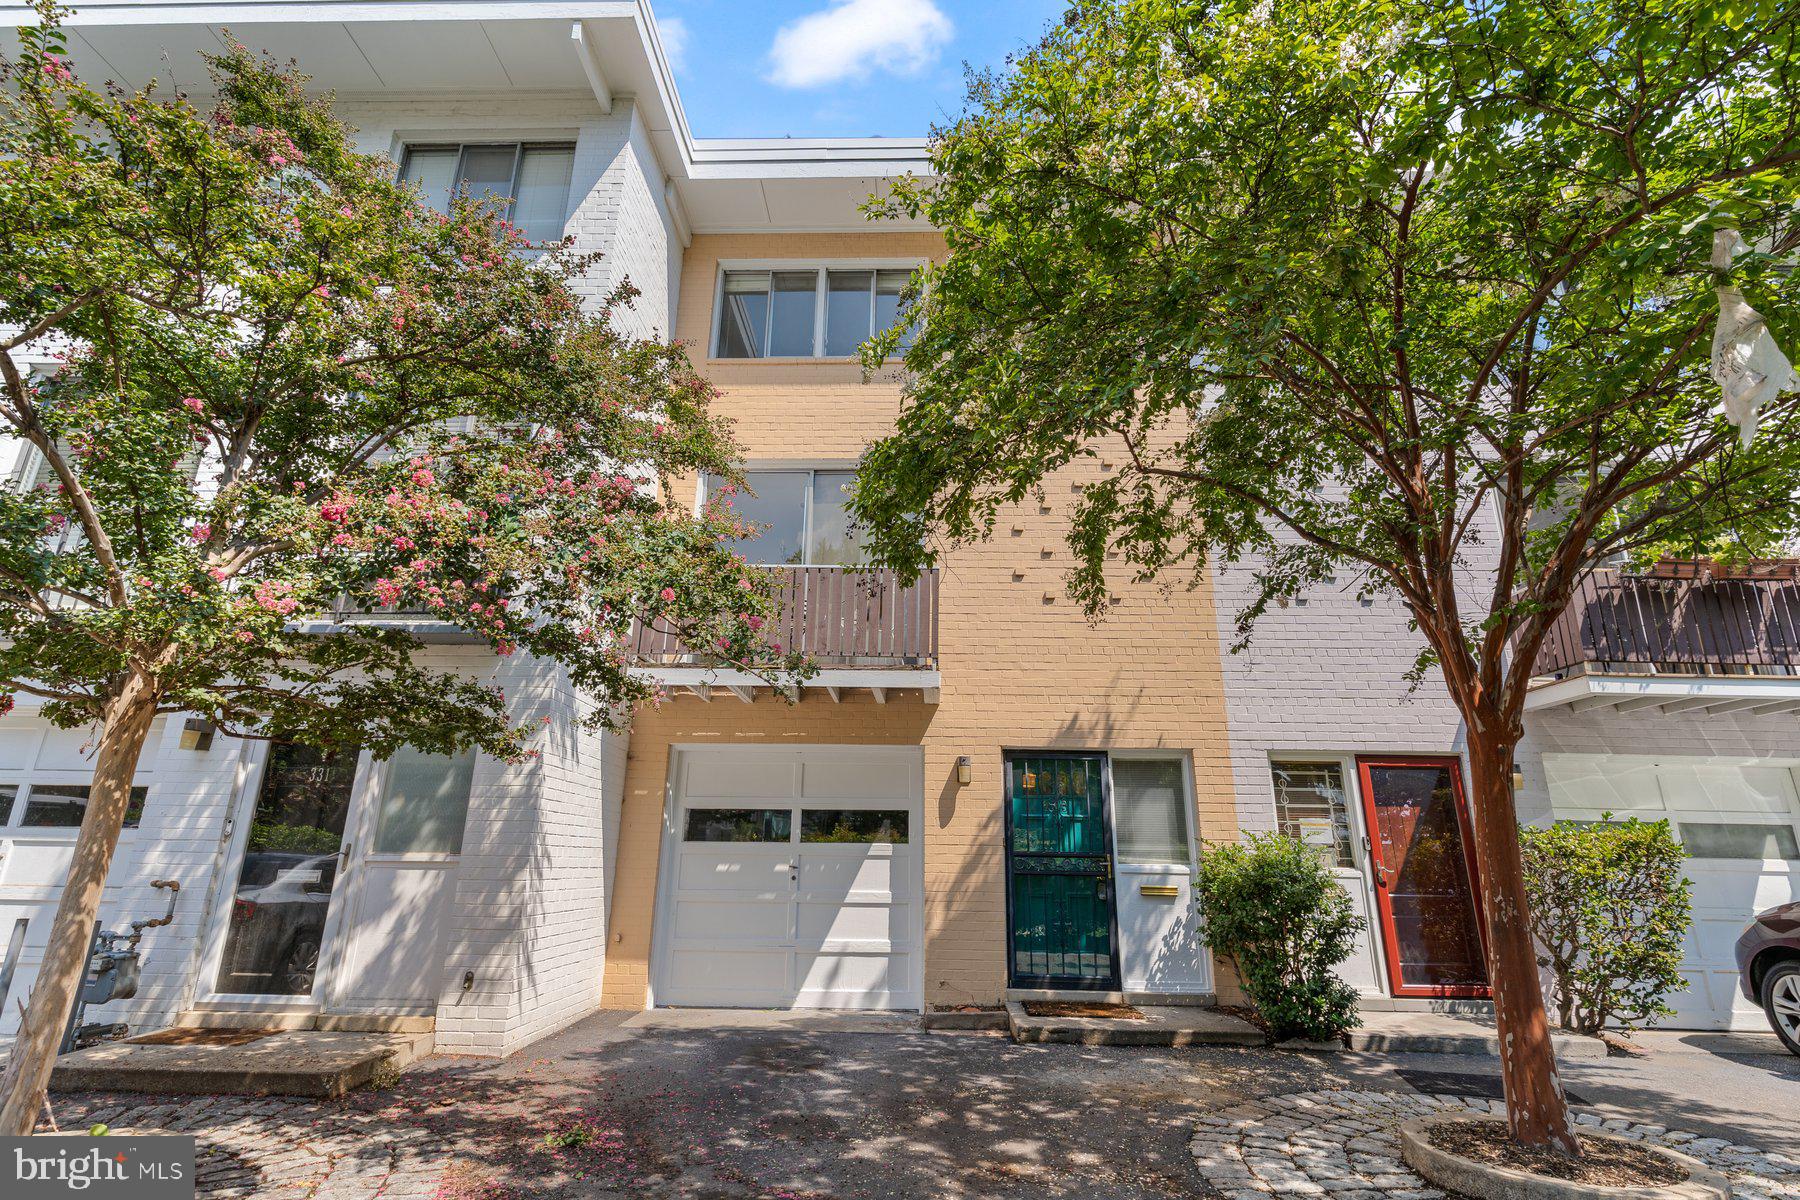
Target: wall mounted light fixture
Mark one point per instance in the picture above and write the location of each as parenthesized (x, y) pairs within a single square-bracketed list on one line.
[(965, 770)]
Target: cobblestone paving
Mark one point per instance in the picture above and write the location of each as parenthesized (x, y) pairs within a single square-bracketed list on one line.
[(1343, 1145), (279, 1148)]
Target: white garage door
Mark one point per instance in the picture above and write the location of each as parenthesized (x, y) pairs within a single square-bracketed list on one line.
[(1740, 822), (791, 878)]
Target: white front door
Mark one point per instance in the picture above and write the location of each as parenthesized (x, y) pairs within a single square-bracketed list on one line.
[(291, 858), (409, 839), (791, 879), (342, 870), (1740, 823)]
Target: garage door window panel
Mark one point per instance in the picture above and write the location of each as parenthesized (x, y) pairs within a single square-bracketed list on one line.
[(1739, 840), (849, 825), (62, 805), (738, 825)]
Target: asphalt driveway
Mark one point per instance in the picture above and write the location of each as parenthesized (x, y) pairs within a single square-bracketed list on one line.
[(708, 1105)]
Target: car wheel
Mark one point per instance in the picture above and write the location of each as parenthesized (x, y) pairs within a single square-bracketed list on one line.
[(301, 964), (1781, 1001)]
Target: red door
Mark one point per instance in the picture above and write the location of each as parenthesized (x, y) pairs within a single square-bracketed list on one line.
[(1423, 858)]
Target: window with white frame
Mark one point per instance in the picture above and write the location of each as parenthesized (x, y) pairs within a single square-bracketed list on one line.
[(802, 515), (530, 179), (1150, 810), (1312, 807), (807, 312)]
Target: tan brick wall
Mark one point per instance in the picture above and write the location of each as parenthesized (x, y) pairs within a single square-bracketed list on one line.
[(1022, 668)]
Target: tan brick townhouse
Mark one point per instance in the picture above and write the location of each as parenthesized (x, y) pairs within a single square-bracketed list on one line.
[(979, 792)]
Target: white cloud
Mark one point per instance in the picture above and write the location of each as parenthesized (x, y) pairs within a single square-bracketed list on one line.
[(852, 38), (674, 32)]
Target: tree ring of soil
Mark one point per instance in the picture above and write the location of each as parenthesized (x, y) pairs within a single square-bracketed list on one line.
[(1472, 1155)]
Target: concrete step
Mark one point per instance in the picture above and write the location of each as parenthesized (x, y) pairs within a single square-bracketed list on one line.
[(1452, 1033), (229, 1018), (1163, 1025), (297, 1062), (1137, 999)]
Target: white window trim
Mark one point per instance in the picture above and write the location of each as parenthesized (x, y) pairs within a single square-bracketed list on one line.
[(1191, 810), (820, 293)]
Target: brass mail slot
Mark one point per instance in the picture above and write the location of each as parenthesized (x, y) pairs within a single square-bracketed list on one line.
[(1158, 889)]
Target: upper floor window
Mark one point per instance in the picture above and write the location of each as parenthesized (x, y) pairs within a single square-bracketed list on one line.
[(803, 516), (531, 178), (812, 312)]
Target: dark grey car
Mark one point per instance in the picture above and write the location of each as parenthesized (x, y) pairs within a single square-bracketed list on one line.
[(1768, 958)]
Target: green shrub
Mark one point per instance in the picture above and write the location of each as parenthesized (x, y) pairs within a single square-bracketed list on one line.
[(1274, 908), (1609, 908)]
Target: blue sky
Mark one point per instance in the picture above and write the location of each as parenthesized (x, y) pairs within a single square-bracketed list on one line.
[(852, 68)]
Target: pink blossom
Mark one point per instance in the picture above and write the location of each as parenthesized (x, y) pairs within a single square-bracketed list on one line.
[(200, 532), (423, 477), (193, 404), (668, 595)]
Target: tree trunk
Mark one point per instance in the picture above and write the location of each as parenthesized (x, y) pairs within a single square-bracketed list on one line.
[(126, 725), (1535, 1106)]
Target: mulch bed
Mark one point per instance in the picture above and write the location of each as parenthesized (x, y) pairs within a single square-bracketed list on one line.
[(180, 1036), (1076, 1008), (1604, 1162)]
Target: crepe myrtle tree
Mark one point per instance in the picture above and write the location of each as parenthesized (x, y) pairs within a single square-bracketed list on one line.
[(281, 385), (1410, 288)]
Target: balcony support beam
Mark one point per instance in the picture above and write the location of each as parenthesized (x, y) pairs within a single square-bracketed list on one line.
[(745, 693), (836, 693), (880, 694)]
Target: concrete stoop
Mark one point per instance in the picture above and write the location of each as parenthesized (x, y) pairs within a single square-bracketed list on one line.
[(1452, 1033), (1163, 1025), (293, 1062)]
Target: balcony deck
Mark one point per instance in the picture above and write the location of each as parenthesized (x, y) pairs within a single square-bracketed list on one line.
[(839, 616), (1637, 641)]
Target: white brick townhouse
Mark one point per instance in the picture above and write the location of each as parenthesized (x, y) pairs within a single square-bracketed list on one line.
[(303, 892)]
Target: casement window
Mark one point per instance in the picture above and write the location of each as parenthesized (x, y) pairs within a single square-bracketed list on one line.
[(1312, 806), (806, 312), (803, 516), (531, 178), (1150, 810)]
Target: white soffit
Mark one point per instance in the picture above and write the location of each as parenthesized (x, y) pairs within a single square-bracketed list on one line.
[(385, 48), (1695, 695)]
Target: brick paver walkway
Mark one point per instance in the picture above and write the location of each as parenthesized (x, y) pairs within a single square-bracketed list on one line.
[(281, 1148)]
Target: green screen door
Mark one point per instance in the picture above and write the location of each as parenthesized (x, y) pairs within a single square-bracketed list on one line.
[(1059, 872)]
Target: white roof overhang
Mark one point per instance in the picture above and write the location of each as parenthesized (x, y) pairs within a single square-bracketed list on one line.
[(607, 48), (1668, 694)]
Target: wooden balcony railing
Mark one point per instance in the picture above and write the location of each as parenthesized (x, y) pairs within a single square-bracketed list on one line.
[(839, 616), (1645, 624)]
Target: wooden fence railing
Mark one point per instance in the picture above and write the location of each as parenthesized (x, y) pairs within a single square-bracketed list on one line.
[(840, 616)]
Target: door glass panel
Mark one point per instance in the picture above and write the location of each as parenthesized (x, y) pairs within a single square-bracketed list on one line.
[(847, 311), (775, 502), (854, 825), (1310, 807), (1427, 891), (290, 867), (1150, 803), (62, 805), (424, 802), (834, 539), (793, 314), (1059, 872), (738, 825)]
